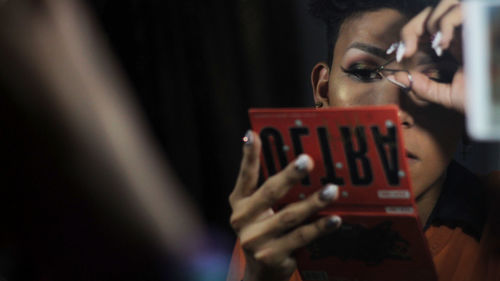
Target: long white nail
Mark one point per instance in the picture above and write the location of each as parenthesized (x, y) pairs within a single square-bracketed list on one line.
[(400, 52), (436, 42), (439, 51), (302, 162), (392, 48), (437, 39), (392, 79), (328, 193)]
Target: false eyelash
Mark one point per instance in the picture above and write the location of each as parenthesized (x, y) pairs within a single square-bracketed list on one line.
[(357, 70), (358, 73)]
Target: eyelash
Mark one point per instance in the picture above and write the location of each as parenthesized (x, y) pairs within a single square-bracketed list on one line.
[(361, 73)]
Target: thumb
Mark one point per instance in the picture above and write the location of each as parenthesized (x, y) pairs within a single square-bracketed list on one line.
[(432, 91)]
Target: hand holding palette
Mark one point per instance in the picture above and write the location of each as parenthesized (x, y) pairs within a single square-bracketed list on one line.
[(360, 149)]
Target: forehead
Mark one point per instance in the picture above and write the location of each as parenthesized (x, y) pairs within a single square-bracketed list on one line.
[(379, 28)]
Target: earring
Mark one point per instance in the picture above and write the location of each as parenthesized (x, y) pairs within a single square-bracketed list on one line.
[(318, 104)]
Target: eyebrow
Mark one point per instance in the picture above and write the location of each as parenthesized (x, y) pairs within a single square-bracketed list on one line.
[(376, 51)]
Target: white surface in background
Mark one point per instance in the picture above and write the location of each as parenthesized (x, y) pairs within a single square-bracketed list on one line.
[(482, 116)]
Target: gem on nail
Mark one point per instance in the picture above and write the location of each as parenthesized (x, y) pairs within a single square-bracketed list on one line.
[(248, 139)]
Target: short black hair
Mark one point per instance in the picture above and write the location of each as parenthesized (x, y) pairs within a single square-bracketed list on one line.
[(335, 12)]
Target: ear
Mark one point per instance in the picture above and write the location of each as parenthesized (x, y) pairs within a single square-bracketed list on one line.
[(320, 78)]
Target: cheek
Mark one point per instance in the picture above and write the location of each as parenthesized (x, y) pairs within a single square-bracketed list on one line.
[(345, 92), (435, 150), (433, 160)]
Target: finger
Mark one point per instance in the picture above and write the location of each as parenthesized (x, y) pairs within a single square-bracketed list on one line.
[(296, 213), (289, 217), (412, 31), (298, 238), (438, 13), (447, 95), (254, 207), (282, 267), (240, 217), (265, 215), (448, 24), (278, 185), (249, 168)]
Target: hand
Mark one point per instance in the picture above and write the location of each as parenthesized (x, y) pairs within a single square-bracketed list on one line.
[(442, 23), (268, 238)]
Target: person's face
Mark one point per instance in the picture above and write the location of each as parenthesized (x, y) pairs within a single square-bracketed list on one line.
[(430, 132)]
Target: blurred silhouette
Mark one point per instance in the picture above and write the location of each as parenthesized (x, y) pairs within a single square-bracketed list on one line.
[(85, 193)]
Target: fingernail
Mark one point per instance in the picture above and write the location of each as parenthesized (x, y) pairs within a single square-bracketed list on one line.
[(302, 162), (437, 39), (333, 222), (328, 193), (439, 51), (392, 48), (400, 52), (436, 42), (392, 79), (248, 139)]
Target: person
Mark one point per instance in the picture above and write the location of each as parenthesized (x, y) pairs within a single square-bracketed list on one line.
[(429, 90)]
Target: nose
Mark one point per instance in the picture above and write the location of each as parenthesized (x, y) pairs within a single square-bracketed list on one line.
[(405, 118), (392, 94)]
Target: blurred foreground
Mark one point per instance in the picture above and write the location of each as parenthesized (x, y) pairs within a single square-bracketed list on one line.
[(85, 194)]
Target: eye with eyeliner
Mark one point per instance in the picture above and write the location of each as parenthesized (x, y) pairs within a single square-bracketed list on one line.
[(365, 69), (363, 72)]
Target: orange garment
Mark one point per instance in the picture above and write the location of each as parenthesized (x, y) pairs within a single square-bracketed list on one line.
[(457, 256)]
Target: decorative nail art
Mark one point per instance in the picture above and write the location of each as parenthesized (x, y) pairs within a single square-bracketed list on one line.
[(328, 193), (333, 222), (301, 162), (400, 52), (436, 42), (248, 139), (392, 48)]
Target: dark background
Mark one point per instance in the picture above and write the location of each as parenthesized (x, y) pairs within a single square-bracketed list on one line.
[(198, 66)]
